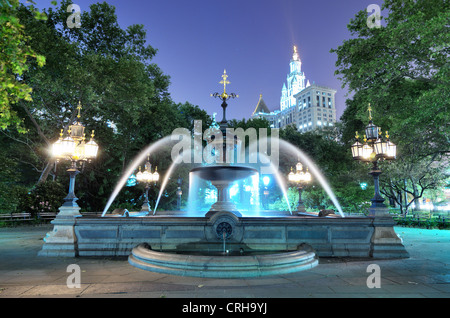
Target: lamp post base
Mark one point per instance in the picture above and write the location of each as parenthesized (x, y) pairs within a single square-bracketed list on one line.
[(385, 243), (62, 241)]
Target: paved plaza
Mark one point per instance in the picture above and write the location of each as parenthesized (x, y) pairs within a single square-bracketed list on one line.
[(23, 274)]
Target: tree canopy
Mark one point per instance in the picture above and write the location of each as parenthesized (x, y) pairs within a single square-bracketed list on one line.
[(402, 70), (109, 70)]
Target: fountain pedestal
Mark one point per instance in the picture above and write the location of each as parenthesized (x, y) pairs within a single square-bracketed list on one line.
[(223, 199), (222, 176)]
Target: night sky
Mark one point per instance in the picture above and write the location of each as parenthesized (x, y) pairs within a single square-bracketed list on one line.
[(252, 39)]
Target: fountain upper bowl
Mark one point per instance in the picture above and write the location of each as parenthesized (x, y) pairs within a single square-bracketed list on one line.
[(224, 173)]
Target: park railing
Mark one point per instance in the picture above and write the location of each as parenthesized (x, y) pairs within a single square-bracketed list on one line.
[(39, 216)]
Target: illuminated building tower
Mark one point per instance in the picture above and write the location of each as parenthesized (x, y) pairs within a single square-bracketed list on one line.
[(295, 82), (307, 107)]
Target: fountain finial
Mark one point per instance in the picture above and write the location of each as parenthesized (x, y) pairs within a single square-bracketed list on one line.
[(224, 97)]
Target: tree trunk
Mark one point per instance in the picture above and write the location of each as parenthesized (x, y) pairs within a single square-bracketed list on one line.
[(46, 172), (405, 198), (416, 196)]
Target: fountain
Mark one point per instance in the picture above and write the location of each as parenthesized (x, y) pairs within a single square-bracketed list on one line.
[(224, 241)]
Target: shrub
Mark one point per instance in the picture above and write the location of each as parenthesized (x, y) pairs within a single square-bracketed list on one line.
[(45, 197)]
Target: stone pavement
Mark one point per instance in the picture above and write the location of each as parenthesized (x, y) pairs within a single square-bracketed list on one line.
[(25, 275)]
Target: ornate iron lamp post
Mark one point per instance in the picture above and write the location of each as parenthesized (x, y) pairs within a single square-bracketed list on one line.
[(74, 148), (300, 178), (147, 177), (375, 148)]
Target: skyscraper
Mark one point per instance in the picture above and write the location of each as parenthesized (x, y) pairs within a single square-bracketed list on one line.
[(295, 82), (307, 107)]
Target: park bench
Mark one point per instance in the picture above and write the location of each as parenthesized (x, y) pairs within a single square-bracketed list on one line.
[(23, 216), (46, 215)]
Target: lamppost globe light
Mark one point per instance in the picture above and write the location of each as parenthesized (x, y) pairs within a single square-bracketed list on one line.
[(139, 175), (371, 131), (155, 175), (366, 152), (301, 176), (291, 176), (91, 149), (146, 176), (76, 131), (308, 176), (57, 149), (67, 146), (391, 150), (357, 150)]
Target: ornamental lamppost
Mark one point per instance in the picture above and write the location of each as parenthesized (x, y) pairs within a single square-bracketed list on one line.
[(147, 177), (74, 148), (375, 148), (300, 178)]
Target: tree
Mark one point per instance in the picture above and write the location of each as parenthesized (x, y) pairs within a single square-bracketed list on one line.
[(15, 56), (402, 69), (406, 177), (255, 123), (124, 97)]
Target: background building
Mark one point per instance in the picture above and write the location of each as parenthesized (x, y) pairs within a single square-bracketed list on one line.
[(307, 107)]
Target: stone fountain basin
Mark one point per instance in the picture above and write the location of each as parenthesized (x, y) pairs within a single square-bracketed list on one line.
[(224, 173), (208, 266)]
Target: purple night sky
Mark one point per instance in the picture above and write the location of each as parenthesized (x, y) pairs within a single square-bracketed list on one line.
[(251, 39)]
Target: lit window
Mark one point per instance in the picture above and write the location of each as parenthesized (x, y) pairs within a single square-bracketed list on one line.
[(319, 123)]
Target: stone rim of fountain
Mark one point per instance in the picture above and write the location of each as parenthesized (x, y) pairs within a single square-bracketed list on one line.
[(207, 266)]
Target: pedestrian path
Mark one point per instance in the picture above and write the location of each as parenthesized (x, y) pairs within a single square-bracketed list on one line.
[(425, 274)]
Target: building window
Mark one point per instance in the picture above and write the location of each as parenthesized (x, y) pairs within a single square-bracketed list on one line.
[(329, 102)]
